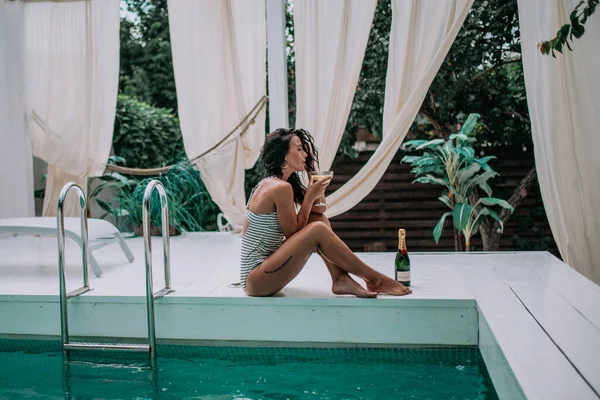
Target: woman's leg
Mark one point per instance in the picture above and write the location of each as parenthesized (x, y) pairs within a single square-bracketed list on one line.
[(286, 263), (342, 282)]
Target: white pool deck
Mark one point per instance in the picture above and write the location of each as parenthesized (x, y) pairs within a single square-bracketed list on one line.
[(535, 320)]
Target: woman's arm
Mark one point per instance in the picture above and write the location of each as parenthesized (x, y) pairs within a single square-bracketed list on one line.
[(283, 197), (319, 209), (305, 210), (315, 192)]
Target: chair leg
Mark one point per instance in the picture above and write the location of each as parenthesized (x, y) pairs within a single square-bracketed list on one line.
[(95, 266), (125, 248), (91, 258)]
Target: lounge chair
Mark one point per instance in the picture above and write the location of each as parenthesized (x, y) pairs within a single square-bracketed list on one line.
[(100, 233)]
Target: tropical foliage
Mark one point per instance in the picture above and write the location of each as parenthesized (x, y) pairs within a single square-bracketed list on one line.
[(482, 73), (190, 206), (575, 29), (146, 136), (146, 70), (452, 163)]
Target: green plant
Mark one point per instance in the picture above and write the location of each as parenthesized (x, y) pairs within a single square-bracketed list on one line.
[(146, 136), (97, 184), (452, 163), (575, 29), (190, 206), (146, 66), (109, 180)]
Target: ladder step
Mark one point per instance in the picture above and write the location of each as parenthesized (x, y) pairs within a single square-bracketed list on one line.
[(162, 292), (79, 291), (85, 346)]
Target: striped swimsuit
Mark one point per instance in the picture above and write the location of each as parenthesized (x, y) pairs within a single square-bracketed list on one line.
[(263, 236)]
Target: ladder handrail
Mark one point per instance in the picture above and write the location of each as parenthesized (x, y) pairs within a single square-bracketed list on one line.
[(60, 223), (150, 295)]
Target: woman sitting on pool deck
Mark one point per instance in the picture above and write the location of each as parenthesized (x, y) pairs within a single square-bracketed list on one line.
[(277, 242)]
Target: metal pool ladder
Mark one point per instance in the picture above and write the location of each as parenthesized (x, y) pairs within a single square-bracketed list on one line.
[(150, 348)]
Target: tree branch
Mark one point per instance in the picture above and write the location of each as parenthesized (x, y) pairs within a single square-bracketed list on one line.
[(437, 126), (518, 195), (493, 68), (569, 31), (521, 118), (490, 228), (432, 102)]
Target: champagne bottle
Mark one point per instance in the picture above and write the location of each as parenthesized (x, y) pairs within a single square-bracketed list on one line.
[(402, 260)]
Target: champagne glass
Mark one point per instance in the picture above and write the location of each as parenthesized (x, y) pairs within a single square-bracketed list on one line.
[(317, 176)]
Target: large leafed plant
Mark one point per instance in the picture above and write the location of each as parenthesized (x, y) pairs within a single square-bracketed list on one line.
[(452, 163)]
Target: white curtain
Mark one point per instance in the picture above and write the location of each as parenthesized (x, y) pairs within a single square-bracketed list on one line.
[(72, 72), (563, 95), (330, 42), (422, 33), (16, 163), (219, 59)]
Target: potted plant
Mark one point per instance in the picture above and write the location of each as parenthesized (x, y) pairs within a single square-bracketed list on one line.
[(452, 163)]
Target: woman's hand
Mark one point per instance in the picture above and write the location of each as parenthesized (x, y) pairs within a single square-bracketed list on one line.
[(316, 190)]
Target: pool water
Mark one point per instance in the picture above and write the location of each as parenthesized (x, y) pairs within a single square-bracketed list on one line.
[(248, 373)]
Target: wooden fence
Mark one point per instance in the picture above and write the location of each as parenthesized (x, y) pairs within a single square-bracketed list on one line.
[(372, 225)]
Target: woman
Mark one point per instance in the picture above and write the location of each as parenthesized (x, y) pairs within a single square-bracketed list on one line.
[(277, 241)]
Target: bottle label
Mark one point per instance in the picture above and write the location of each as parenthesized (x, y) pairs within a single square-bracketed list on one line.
[(403, 276)]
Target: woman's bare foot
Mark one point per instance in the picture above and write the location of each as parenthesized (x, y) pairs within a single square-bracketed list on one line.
[(387, 285), (344, 284)]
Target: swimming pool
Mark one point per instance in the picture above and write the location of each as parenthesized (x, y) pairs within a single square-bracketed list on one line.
[(202, 372)]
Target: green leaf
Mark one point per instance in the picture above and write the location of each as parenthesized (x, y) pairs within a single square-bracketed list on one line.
[(410, 159), (495, 215), (439, 181), (446, 200), (424, 161), (483, 185), (105, 206), (439, 227), (558, 46), (578, 30), (463, 175), (121, 178), (486, 159), (483, 162), (459, 136), (425, 179), (567, 43), (492, 201), (469, 124), (477, 181), (412, 144), (467, 152), (462, 214), (116, 160), (431, 144), (483, 212), (429, 169), (564, 30)]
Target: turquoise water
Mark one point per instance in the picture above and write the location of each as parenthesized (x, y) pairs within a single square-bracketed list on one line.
[(248, 373)]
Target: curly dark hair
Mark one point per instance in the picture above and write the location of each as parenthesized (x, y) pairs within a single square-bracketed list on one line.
[(275, 149)]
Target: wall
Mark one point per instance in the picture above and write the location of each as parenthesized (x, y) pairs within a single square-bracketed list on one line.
[(397, 203)]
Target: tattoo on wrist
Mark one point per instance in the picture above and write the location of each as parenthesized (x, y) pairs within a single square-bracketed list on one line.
[(278, 268)]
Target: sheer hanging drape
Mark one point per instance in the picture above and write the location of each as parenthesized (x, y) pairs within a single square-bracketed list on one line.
[(72, 71), (330, 42), (563, 95), (16, 163), (422, 33), (219, 59)]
